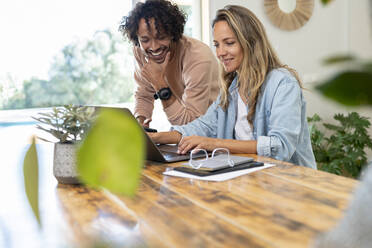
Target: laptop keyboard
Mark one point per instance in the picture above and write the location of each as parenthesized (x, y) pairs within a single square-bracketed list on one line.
[(171, 149), (166, 153)]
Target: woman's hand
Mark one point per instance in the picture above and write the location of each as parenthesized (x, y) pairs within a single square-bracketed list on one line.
[(196, 142)]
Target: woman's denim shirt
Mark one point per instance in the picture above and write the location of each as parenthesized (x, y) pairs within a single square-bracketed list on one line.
[(279, 124)]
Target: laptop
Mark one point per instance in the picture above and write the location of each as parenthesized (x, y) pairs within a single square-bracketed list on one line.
[(157, 152)]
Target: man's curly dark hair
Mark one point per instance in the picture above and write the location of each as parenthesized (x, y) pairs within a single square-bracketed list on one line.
[(169, 19)]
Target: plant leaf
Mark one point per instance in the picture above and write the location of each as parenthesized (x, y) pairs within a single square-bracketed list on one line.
[(351, 88), (325, 2), (40, 138), (67, 123), (338, 59), (31, 178), (112, 154)]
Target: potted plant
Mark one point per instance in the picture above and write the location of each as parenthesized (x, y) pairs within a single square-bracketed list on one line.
[(69, 125), (340, 148)]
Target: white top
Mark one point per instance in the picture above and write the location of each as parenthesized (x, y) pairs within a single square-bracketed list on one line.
[(242, 128)]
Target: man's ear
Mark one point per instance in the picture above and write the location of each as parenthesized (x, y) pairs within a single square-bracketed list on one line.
[(136, 43)]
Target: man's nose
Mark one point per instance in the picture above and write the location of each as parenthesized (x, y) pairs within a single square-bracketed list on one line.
[(154, 45)]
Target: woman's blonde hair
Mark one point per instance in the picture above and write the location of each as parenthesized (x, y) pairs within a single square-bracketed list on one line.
[(258, 60)]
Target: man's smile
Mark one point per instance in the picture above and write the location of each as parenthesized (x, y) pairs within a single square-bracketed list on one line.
[(158, 55)]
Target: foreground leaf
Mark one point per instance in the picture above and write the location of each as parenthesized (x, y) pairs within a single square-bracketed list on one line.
[(31, 177), (351, 88), (112, 153)]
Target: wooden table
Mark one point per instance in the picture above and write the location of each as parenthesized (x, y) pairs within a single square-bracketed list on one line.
[(283, 206)]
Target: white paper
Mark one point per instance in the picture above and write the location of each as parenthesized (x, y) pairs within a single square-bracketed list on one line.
[(218, 177)]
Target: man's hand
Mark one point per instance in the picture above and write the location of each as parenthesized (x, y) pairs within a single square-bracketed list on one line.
[(172, 137), (143, 121), (196, 142), (154, 73)]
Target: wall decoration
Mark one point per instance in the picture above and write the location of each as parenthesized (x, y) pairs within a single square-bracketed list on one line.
[(289, 14)]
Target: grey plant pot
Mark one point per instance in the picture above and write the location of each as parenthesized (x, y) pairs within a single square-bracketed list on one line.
[(64, 164)]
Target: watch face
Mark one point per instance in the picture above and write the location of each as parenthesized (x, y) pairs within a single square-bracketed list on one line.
[(164, 93)]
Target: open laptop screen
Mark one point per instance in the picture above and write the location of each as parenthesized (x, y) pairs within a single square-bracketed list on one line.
[(154, 152)]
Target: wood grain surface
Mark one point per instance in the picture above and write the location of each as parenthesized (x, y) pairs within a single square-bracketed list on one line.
[(282, 206)]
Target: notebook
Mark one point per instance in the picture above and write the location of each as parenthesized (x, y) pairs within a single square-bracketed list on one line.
[(220, 161), (203, 173)]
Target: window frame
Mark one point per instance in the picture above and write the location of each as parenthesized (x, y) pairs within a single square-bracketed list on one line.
[(201, 20)]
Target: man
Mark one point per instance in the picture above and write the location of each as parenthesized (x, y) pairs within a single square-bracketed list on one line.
[(180, 71)]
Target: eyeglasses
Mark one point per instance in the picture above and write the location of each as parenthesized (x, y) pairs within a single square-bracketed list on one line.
[(197, 164)]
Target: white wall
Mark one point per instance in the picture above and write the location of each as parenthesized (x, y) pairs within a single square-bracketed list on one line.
[(337, 28), (341, 27), (360, 30)]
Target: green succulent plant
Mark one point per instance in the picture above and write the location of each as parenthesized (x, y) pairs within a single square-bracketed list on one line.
[(68, 123)]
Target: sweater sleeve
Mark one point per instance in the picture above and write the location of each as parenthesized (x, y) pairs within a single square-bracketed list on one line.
[(144, 93), (200, 75)]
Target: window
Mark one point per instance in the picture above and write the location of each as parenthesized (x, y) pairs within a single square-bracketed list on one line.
[(59, 52), (198, 22), (192, 10), (55, 53)]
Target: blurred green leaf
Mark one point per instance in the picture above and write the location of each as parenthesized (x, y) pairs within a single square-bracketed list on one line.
[(351, 88), (112, 154), (367, 65), (338, 59), (325, 2), (31, 177)]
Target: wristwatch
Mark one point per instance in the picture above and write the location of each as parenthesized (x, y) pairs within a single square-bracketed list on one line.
[(163, 94)]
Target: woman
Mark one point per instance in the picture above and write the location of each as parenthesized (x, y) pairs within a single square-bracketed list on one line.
[(260, 108)]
